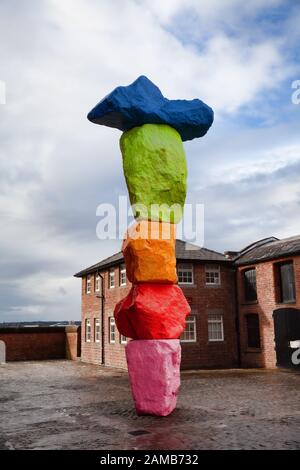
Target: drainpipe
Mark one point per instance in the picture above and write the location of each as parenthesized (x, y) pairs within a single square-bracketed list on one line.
[(237, 317), (102, 297)]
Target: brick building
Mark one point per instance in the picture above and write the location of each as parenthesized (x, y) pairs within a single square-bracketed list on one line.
[(268, 286), (232, 296)]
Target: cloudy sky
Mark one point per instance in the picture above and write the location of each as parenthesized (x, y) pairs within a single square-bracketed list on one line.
[(60, 57)]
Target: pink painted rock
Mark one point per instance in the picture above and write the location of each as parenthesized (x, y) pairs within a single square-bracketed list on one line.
[(152, 311), (154, 374)]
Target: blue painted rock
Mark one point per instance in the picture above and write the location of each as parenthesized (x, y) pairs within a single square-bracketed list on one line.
[(143, 103), (152, 311), (155, 169)]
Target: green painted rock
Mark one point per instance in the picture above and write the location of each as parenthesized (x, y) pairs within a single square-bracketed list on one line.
[(155, 170)]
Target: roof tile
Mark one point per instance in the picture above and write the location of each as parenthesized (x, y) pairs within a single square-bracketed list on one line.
[(272, 248), (184, 251)]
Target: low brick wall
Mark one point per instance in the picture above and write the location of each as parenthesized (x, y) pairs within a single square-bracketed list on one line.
[(41, 343), (73, 342)]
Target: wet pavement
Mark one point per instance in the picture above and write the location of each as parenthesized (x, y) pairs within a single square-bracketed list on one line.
[(69, 405)]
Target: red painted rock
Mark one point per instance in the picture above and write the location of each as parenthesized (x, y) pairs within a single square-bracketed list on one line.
[(154, 374), (152, 311)]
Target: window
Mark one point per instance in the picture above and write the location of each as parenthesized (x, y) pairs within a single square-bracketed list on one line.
[(88, 284), (122, 275), (88, 330), (123, 339), (215, 327), (97, 283), (253, 335), (97, 330), (112, 278), (185, 274), (287, 291), (212, 275), (112, 330), (189, 334), (250, 285)]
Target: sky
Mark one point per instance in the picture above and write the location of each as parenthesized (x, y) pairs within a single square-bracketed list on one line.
[(59, 58)]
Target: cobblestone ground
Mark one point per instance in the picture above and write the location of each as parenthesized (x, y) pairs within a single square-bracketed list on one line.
[(67, 405)]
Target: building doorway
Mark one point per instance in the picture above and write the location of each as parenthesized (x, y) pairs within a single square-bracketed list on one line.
[(287, 337)]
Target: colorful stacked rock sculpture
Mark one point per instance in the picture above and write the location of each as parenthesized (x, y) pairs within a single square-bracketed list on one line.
[(153, 313)]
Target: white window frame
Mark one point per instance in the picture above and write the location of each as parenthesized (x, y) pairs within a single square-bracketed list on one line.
[(122, 275), (111, 277), (190, 320), (88, 330), (112, 332), (213, 269), (186, 268), (97, 330), (89, 284), (97, 283), (215, 321), (123, 339)]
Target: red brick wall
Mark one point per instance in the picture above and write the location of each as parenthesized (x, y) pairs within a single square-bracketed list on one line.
[(267, 302), (41, 343), (73, 342), (114, 354), (28, 344), (90, 308), (202, 299)]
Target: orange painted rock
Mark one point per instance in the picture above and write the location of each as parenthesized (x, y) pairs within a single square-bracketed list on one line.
[(149, 252), (152, 311)]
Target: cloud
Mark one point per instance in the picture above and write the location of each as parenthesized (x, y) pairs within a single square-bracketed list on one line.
[(255, 203), (59, 58), (209, 13)]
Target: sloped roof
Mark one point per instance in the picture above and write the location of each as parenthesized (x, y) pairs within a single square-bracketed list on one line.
[(189, 251), (184, 252), (267, 249), (117, 258)]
